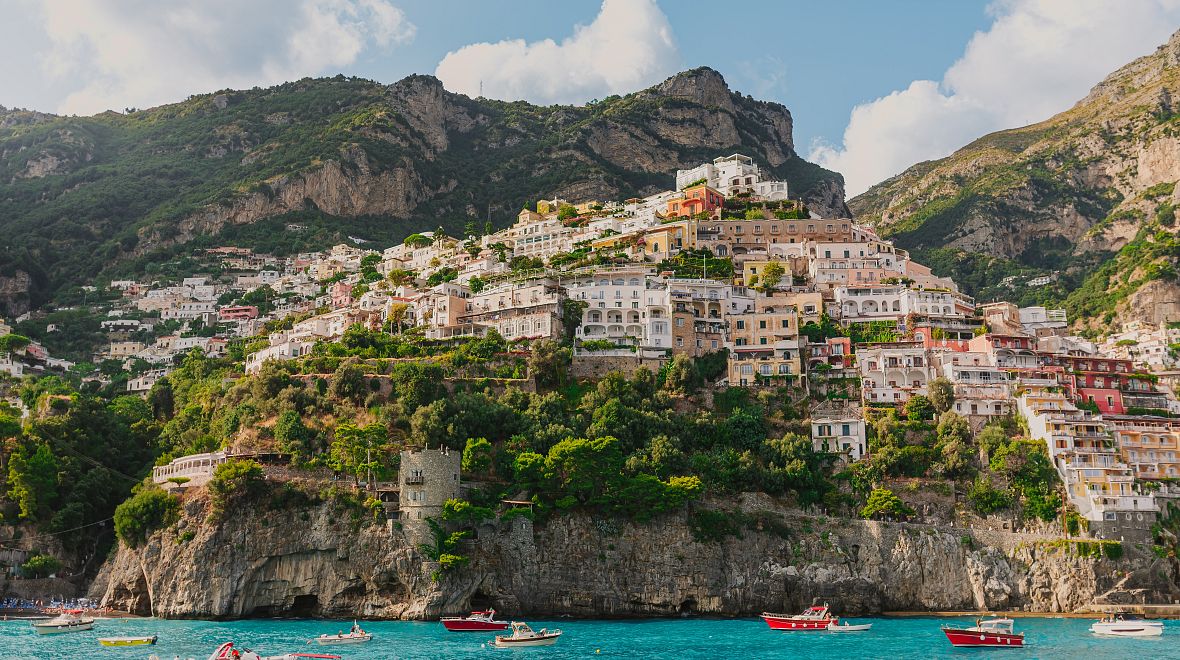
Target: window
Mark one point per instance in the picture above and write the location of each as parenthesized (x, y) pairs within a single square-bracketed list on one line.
[(741, 325), (764, 369), (747, 369), (762, 324), (762, 340), (679, 323), (786, 323), (845, 429)]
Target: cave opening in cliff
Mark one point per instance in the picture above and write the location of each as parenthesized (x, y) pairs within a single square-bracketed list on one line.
[(481, 601), (304, 606), (687, 606)]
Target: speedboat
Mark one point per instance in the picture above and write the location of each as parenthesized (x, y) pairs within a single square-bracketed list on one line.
[(1127, 625), (997, 633), (66, 622), (817, 617), (848, 627), (480, 620), (523, 635), (354, 636), (227, 652), (127, 641)]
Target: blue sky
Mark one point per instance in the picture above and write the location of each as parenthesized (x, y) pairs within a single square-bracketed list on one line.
[(874, 86)]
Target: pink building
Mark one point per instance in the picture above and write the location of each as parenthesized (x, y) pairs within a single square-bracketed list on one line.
[(238, 313)]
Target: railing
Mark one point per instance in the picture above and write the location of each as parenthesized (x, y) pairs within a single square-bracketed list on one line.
[(415, 479)]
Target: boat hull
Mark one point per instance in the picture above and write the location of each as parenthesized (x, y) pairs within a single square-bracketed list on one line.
[(334, 640), (127, 641), (986, 638), (58, 629), (465, 625), (849, 628), (793, 623), (548, 640), (1128, 629)]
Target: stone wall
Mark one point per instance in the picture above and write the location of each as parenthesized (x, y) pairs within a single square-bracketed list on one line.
[(590, 367)]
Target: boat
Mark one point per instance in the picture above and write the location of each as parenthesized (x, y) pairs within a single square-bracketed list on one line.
[(817, 617), (354, 636), (227, 652), (480, 620), (67, 622), (1127, 625), (127, 641), (995, 633), (848, 627), (523, 635)]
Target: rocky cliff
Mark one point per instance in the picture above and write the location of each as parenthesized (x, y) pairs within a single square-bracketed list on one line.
[(84, 195), (315, 561), (1089, 193)]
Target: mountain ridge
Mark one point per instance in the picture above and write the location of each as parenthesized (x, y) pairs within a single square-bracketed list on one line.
[(119, 193), (1087, 197)]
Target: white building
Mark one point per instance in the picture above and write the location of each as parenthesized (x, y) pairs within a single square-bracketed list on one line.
[(839, 429), (892, 373), (625, 305)]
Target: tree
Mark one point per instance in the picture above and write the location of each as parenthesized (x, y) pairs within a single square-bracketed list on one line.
[(293, 437), (953, 442), (985, 498), (145, 512), (32, 478), (477, 456), (397, 315), (772, 274), (565, 212), (883, 503), (349, 382), (357, 450), (680, 376), (583, 469), (476, 284), (464, 512), (942, 394), (235, 479), (918, 408), (40, 566), (11, 342), (549, 363), (417, 241)]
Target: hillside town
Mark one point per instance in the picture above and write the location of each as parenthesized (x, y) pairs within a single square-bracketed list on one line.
[(725, 264)]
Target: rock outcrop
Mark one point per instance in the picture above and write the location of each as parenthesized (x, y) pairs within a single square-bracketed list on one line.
[(317, 561)]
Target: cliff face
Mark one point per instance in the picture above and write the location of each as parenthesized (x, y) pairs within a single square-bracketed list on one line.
[(1089, 187), (82, 195), (315, 562)]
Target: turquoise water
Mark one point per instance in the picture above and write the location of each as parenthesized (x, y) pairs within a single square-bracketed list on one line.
[(746, 639)]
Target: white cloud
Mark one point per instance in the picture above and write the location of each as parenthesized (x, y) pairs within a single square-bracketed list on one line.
[(628, 45), (1037, 59), (118, 53)]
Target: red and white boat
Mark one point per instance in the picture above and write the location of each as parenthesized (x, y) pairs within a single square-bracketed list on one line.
[(994, 633), (813, 618), (478, 621)]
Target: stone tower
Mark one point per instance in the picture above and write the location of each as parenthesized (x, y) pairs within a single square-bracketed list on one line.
[(429, 477)]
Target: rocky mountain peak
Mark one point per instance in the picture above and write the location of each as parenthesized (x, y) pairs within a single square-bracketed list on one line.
[(703, 86)]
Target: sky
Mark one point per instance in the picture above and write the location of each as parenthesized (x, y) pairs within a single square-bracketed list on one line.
[(873, 86)]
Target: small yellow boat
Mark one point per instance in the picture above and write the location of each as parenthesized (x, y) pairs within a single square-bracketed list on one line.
[(127, 641)]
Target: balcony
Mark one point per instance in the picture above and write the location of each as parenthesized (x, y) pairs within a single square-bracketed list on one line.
[(415, 479)]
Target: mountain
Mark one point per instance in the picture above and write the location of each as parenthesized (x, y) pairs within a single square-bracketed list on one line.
[(1087, 197), (125, 193)]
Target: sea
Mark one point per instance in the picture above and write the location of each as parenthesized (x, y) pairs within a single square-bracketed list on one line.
[(716, 639)]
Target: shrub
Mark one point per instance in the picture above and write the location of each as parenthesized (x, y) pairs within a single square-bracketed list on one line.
[(985, 498), (147, 511), (40, 566), (882, 502), (233, 479)]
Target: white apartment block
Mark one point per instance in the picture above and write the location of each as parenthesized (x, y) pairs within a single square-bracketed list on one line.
[(627, 306), (893, 373)]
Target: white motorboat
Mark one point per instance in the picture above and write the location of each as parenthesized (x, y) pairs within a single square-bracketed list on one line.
[(354, 636), (849, 627), (227, 652), (523, 635), (66, 622), (1124, 625)]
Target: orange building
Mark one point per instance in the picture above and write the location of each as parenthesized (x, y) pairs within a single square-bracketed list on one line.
[(695, 199)]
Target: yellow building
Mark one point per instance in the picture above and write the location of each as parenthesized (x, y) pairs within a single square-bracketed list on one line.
[(765, 345)]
